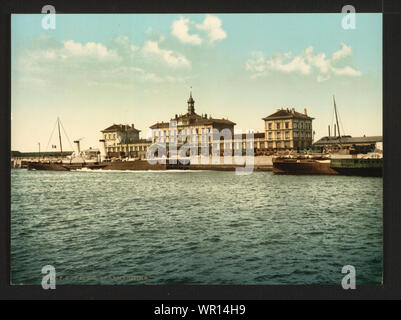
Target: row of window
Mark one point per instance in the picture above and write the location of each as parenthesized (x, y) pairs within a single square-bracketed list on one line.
[(301, 125), (287, 135), (175, 132), (131, 148), (109, 136), (278, 135)]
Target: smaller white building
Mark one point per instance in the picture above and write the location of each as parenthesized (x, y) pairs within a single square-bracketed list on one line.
[(119, 134)]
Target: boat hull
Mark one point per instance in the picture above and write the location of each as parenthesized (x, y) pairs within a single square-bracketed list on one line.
[(358, 167), (56, 166), (47, 166), (302, 166)]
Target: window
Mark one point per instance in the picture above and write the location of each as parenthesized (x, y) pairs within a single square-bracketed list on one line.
[(270, 126), (278, 126), (287, 125), (278, 135), (270, 136), (287, 134)]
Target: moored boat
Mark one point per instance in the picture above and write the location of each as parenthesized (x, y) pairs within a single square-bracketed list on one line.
[(369, 167), (302, 166), (50, 166), (341, 163)]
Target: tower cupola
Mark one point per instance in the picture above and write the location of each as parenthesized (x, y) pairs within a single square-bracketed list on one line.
[(191, 104)]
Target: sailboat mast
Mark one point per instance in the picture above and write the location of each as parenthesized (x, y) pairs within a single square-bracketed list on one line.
[(335, 110), (59, 136)]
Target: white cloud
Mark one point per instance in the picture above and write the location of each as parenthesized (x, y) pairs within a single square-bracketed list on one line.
[(211, 29), (117, 65), (346, 71), (170, 57), (180, 29), (89, 49), (213, 26), (306, 63), (70, 50), (345, 51)]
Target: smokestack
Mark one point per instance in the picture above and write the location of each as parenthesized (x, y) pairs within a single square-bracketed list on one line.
[(329, 131), (335, 130), (102, 148), (77, 148)]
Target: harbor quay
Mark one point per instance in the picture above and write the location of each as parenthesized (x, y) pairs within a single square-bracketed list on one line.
[(200, 141), (285, 130)]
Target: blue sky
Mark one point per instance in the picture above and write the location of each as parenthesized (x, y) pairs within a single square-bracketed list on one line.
[(96, 70)]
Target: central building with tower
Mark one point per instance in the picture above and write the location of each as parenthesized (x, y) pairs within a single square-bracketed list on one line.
[(196, 128), (285, 129)]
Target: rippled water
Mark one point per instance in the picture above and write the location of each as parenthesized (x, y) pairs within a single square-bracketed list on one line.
[(200, 227)]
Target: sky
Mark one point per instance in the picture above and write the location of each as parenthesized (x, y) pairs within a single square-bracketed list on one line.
[(94, 70)]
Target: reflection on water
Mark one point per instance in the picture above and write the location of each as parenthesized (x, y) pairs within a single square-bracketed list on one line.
[(202, 227)]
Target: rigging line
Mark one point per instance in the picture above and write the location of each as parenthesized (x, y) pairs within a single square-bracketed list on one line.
[(342, 127), (332, 121), (341, 123), (51, 135), (66, 136)]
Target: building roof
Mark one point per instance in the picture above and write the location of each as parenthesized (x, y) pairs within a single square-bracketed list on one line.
[(192, 118), (120, 127), (348, 140), (287, 114)]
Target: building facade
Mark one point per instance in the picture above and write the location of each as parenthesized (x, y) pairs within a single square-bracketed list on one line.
[(288, 130), (283, 130), (191, 128), (123, 141), (119, 134)]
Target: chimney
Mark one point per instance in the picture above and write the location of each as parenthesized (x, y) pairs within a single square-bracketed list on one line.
[(293, 110), (205, 115), (278, 109), (77, 150), (102, 147), (329, 131), (132, 126), (288, 110), (305, 112)]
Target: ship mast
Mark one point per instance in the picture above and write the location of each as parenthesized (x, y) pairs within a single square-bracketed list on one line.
[(338, 126), (126, 140), (59, 136)]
